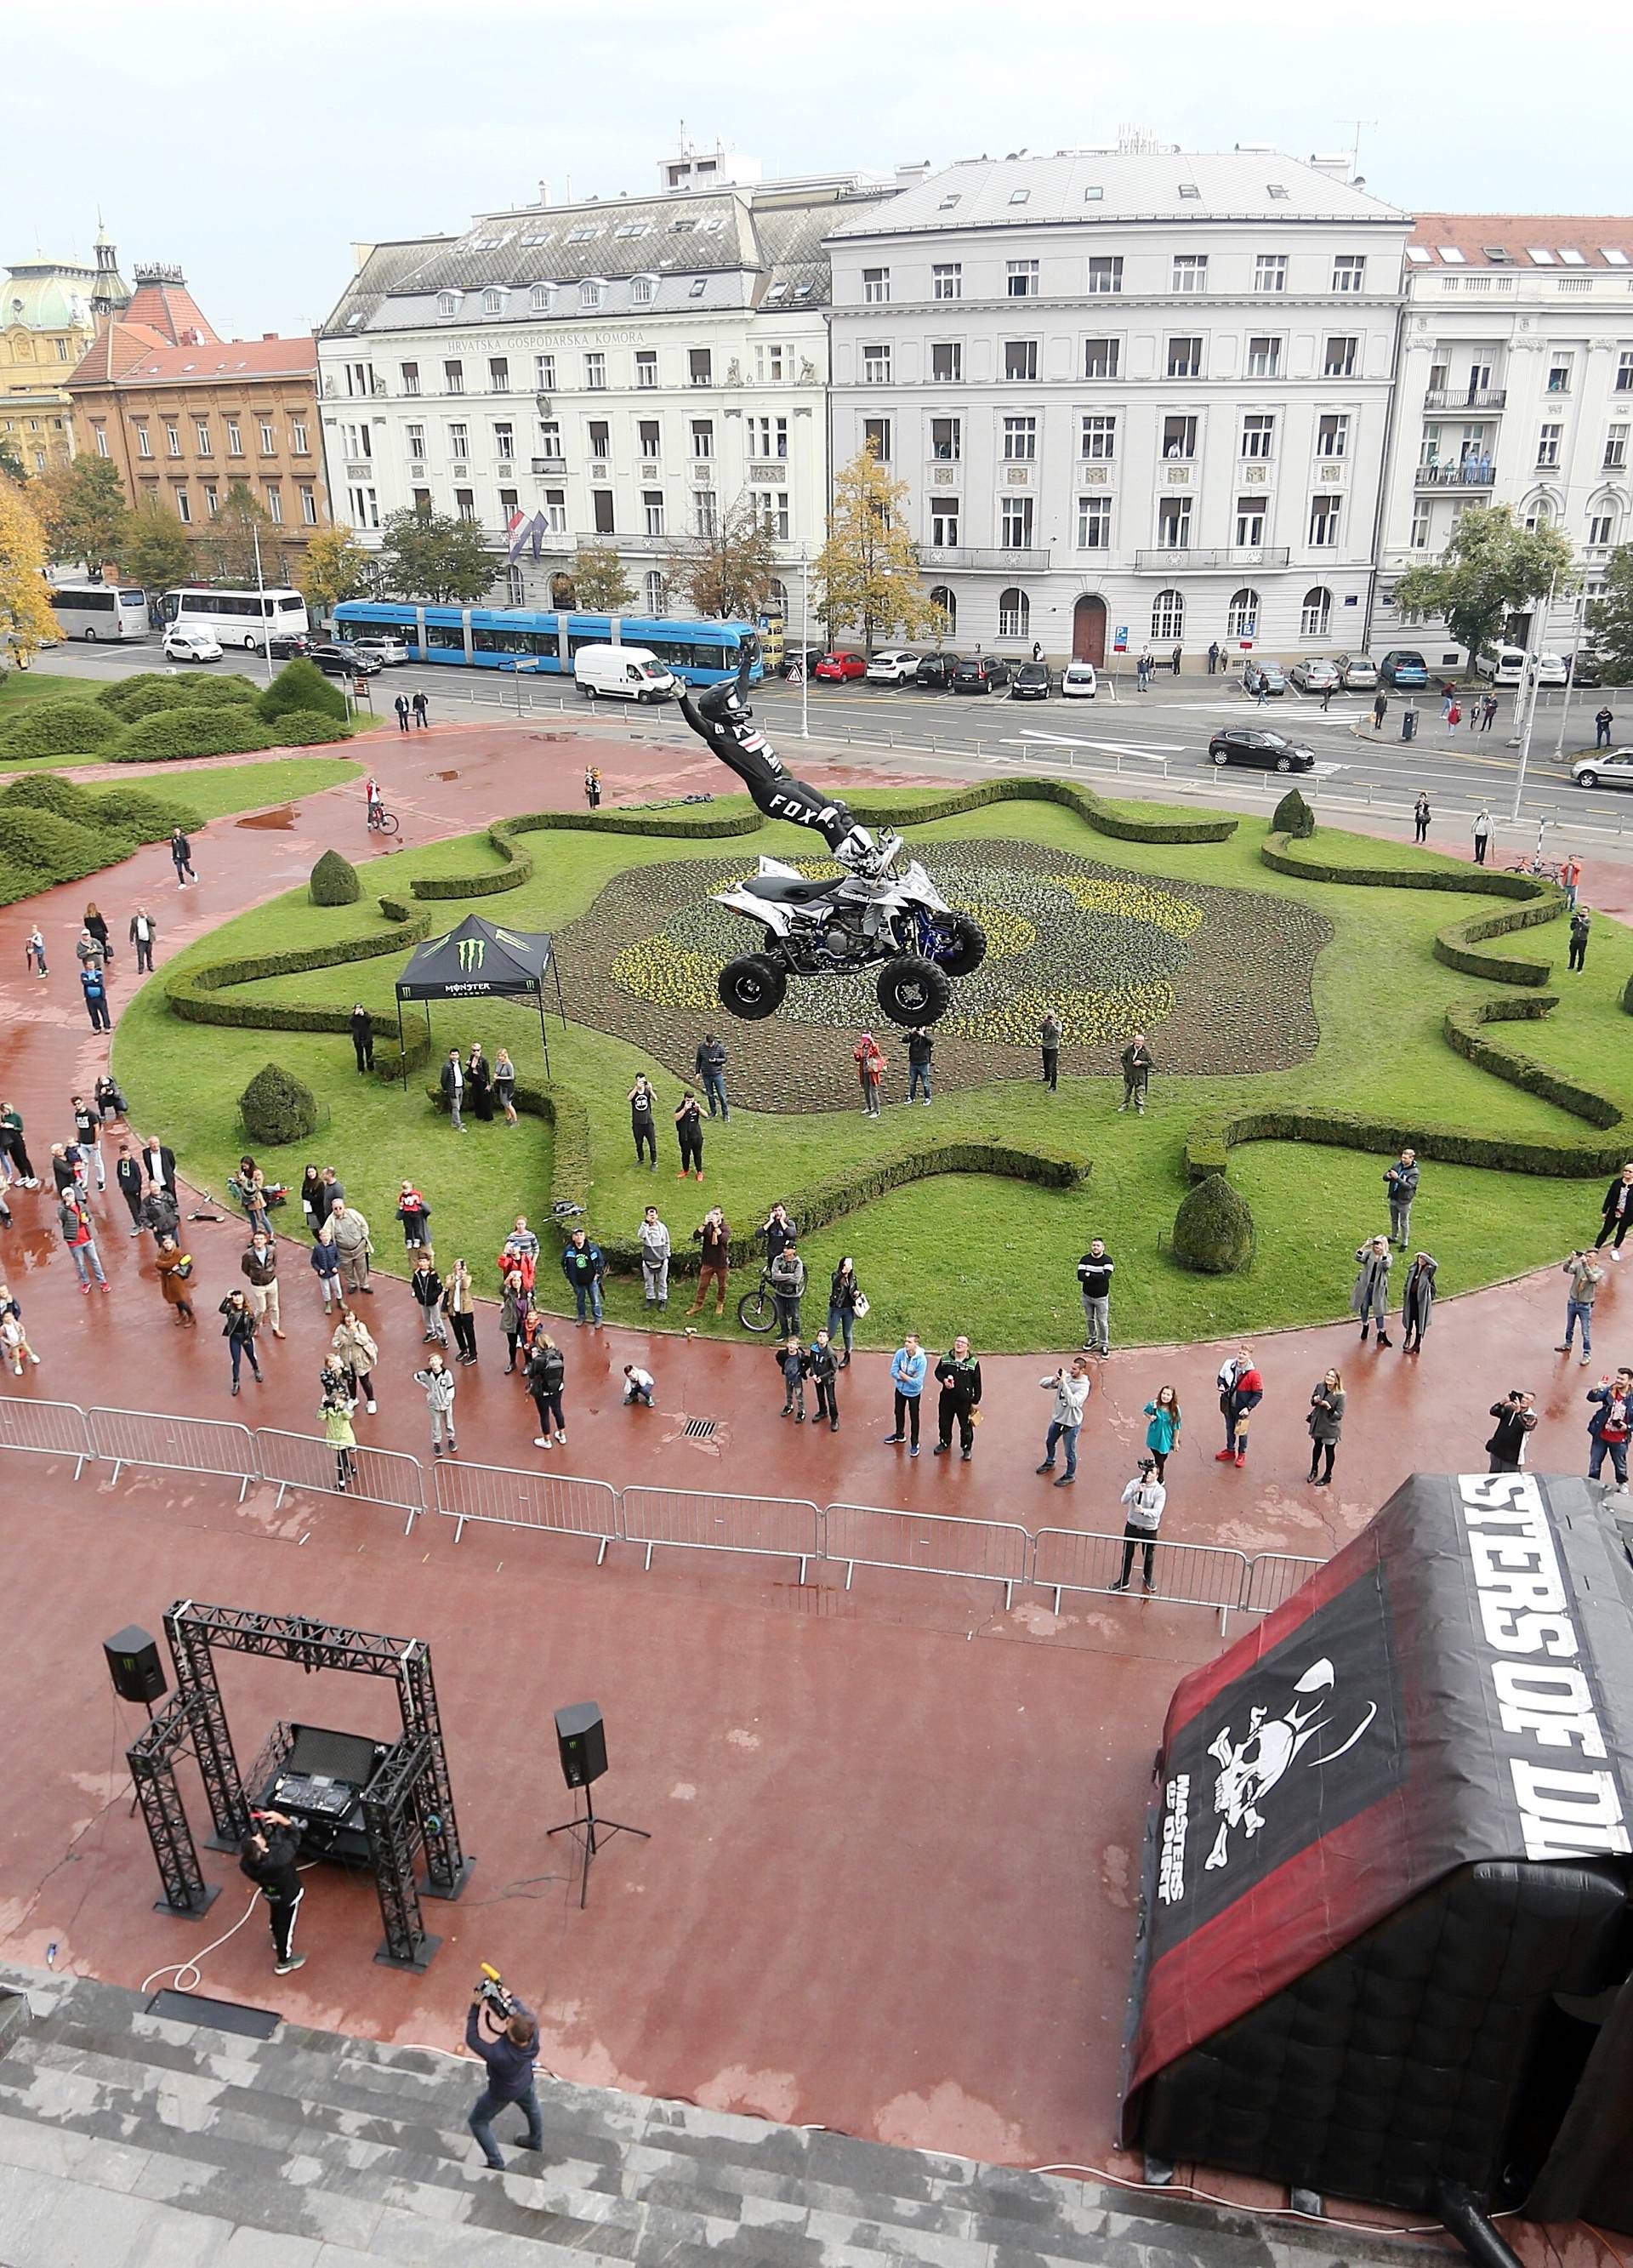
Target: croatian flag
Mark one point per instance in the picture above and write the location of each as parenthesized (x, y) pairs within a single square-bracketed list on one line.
[(516, 527)]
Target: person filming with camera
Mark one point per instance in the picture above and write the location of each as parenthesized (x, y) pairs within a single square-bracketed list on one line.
[(509, 2058)]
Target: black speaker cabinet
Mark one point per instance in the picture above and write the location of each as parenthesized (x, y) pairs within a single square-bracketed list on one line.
[(581, 1737), (133, 1664)]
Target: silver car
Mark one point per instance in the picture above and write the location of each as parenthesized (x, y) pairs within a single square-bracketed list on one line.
[(1359, 672), (390, 653), (1315, 674), (1610, 768)]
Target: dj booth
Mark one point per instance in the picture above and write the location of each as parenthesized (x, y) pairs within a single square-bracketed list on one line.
[(318, 1778)]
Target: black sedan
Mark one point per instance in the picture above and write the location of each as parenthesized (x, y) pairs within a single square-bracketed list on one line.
[(344, 661), (1269, 751), (1030, 682), (287, 645)]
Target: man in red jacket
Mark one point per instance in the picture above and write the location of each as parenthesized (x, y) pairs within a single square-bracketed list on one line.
[(1241, 1391)]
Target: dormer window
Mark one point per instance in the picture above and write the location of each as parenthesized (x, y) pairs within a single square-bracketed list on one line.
[(542, 298), (493, 303), (642, 290), (447, 303), (591, 292)]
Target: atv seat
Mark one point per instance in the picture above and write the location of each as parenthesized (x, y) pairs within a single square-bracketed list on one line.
[(790, 889)]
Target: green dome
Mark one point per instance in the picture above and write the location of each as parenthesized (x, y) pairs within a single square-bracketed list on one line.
[(47, 295)]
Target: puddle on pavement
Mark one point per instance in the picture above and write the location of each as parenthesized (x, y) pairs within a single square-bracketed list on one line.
[(445, 774), (552, 736), (283, 818)]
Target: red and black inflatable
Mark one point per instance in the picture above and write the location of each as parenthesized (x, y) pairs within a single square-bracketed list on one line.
[(1387, 1943)]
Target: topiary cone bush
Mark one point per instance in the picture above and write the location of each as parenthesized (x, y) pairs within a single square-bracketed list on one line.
[(335, 881), (301, 685), (277, 1108), (1213, 1233), (1293, 816)]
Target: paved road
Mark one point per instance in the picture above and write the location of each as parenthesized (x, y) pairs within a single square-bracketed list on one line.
[(1144, 737)]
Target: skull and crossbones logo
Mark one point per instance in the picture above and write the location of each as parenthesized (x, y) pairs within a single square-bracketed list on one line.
[(1251, 1768)]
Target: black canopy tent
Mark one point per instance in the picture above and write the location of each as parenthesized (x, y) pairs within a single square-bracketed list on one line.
[(478, 961)]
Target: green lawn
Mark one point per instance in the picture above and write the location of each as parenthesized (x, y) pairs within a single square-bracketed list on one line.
[(993, 1254), (40, 683)]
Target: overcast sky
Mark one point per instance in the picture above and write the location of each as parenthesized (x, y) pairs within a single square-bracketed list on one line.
[(253, 146)]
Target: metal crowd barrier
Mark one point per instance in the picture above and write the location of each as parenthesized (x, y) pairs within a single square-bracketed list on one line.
[(514, 1497), (50, 1429), (181, 1445), (688, 1520), (1211, 1575), (927, 1543), (1271, 1578), (307, 1460)]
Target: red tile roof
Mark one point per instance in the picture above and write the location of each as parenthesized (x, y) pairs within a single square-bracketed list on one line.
[(171, 309), (111, 353), (1475, 235)]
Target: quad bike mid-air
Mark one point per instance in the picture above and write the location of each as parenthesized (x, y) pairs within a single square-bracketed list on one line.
[(880, 912)]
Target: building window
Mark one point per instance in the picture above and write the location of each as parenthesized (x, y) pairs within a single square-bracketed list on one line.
[(1624, 370), (1332, 435), (650, 434), (947, 280), (1350, 271), (459, 441), (655, 593), (515, 582), (1559, 373), (203, 431), (555, 510), (703, 511), (297, 436), (875, 286), (768, 438), (358, 441), (62, 350), (601, 510), (1173, 523), (646, 368), (703, 437), (173, 437), (771, 363), (275, 504), (1020, 439), (770, 507), (947, 607), (493, 303), (1616, 447), (1258, 436), (946, 439), (422, 503), (309, 506), (366, 510), (453, 378), (1021, 279), (1241, 616), (1341, 355), (946, 360), (464, 505), (600, 440), (1168, 616), (235, 439), (943, 521), (1098, 438), (1014, 614), (102, 448), (1020, 360), (1101, 357), (269, 440), (184, 508), (1324, 513), (876, 365), (504, 442), (1105, 273), (1270, 272), (447, 303), (416, 442), (1179, 437), (540, 298), (700, 366), (1547, 444), (212, 502), (876, 437), (595, 373), (1190, 271), (591, 292), (1185, 357), (144, 446), (653, 506), (1420, 528), (498, 374), (1016, 524), (1599, 528), (550, 437), (1264, 357), (410, 377), (1094, 523), (1315, 618), (1249, 522), (1539, 514), (544, 373)]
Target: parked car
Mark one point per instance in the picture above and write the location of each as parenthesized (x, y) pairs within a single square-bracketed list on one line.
[(1404, 669), (1079, 682), (840, 668), (981, 675), (1313, 674), (1268, 674), (894, 666), (1239, 744), (1552, 669), (1504, 665), (1586, 669), (1359, 672), (936, 671), (1611, 768), (1030, 682), (286, 646), (390, 653), (343, 660), (622, 672), (803, 659), (182, 645)]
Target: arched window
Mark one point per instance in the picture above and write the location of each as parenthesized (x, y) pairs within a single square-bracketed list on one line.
[(1241, 616), (562, 591), (1168, 616), (657, 592), (515, 589), (541, 295), (493, 303), (778, 604), (447, 303), (1315, 620), (942, 598), (1014, 615), (1538, 513), (591, 292)]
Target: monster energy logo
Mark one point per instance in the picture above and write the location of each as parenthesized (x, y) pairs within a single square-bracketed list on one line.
[(473, 950)]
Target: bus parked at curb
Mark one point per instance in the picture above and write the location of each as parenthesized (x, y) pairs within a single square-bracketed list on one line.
[(94, 611), (237, 618)]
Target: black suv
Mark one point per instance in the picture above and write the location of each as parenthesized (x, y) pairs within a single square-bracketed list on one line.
[(344, 661), (938, 670), (1239, 744), (1030, 682), (981, 675)]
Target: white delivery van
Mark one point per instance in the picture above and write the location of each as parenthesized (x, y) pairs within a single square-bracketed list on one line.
[(1504, 665), (622, 673)]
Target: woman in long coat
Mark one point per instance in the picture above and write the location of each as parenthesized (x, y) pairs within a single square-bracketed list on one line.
[(1417, 1302), (479, 1084), (1370, 1298)]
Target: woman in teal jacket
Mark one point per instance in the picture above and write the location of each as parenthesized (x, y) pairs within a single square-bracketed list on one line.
[(1162, 1435)]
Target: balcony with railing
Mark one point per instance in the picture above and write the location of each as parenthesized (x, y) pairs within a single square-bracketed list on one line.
[(1466, 397), (976, 559), (1472, 473), (1183, 559)]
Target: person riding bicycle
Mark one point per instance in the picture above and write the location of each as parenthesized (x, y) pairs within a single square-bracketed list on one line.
[(375, 801)]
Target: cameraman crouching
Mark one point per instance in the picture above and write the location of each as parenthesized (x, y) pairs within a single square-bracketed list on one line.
[(509, 2060)]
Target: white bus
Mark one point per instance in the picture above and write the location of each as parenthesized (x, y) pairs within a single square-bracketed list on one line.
[(100, 610), (242, 618)]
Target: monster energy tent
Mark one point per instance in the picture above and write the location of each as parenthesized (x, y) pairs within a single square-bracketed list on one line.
[(1386, 1936), (478, 961)]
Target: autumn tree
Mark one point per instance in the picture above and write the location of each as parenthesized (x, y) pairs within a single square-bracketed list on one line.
[(868, 570), (1491, 568), (156, 551), (426, 555), (1610, 617), (728, 573), (242, 540), (25, 617), (82, 507), (12, 463), (601, 586), (336, 568)]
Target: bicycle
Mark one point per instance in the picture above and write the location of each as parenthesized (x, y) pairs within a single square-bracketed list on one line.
[(1543, 870), (756, 1310), (382, 822)]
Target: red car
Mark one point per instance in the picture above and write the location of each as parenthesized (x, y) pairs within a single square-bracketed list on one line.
[(837, 668)]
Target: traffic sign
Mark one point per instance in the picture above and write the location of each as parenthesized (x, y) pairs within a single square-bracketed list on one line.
[(1120, 641)]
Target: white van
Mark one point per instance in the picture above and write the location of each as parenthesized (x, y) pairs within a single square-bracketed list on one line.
[(1504, 665), (622, 672)]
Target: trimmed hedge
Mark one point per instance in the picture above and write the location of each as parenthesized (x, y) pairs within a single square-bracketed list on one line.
[(277, 1108), (305, 728), (1293, 817), (50, 792), (39, 847), (132, 698), (1213, 1231), (218, 729), (59, 728), (301, 689), (193, 994), (141, 812), (334, 881)]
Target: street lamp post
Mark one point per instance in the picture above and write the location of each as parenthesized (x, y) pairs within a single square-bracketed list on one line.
[(1538, 618), (1577, 632), (260, 589), (804, 643)]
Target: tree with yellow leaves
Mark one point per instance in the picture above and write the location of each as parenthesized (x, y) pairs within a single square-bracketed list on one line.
[(25, 617), (868, 570)]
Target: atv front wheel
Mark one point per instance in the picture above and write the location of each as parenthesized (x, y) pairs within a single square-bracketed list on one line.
[(967, 949), (913, 990), (753, 986)]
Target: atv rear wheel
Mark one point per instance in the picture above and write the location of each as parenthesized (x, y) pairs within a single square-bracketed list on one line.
[(969, 947), (913, 990), (753, 986)]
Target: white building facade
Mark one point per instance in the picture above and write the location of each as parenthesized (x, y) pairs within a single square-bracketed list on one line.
[(628, 371), (1133, 394), (1515, 387)]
